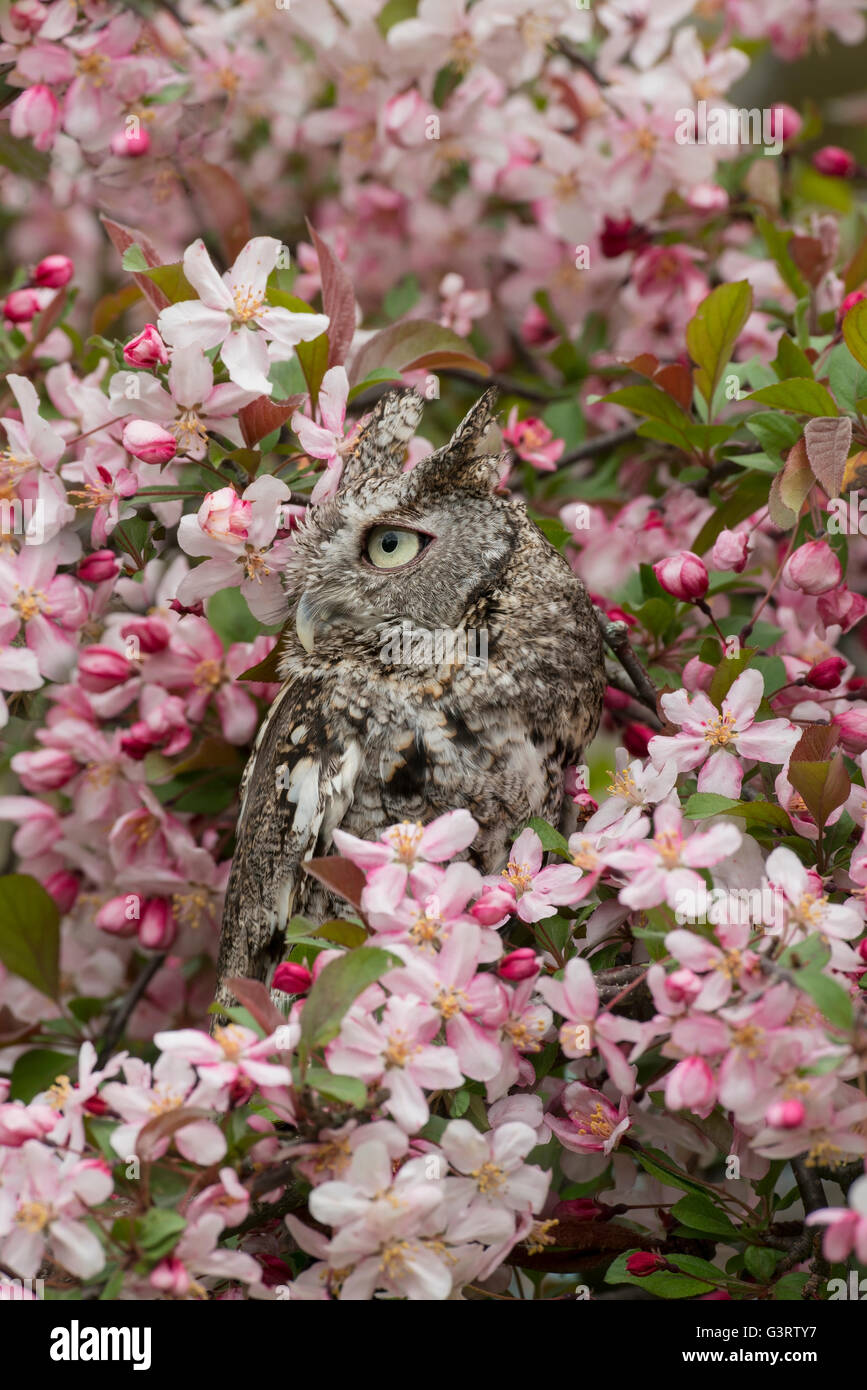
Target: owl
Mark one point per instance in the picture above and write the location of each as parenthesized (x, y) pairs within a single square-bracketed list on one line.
[(444, 655)]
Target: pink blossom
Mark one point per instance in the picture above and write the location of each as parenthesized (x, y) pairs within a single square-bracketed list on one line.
[(813, 568), (389, 862), (35, 115), (251, 559), (325, 440), (593, 1125), (533, 442), (576, 1000), (710, 736), (55, 1194), (691, 1086), (494, 1164), (846, 1227), (229, 311), (663, 869), (684, 576), (536, 893)]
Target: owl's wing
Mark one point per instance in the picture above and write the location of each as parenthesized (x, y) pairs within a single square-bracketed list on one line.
[(296, 789)]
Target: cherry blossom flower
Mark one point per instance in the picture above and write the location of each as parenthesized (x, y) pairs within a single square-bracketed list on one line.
[(594, 1125), (390, 861), (533, 892), (192, 408), (576, 1000), (231, 308), (710, 737), (241, 553), (663, 869), (325, 440), (55, 1193)]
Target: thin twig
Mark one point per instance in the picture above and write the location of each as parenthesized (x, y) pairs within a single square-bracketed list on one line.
[(600, 445), (616, 637), (509, 385), (119, 1018)]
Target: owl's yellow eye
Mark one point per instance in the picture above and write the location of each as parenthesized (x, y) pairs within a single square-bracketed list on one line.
[(389, 546)]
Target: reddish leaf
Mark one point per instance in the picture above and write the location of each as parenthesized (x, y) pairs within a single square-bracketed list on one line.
[(261, 417), (12, 1029), (415, 341), (645, 364), (341, 876), (827, 441), (111, 306), (810, 256), (338, 300), (823, 785), (676, 381), (224, 206), (816, 743), (122, 238), (256, 999)]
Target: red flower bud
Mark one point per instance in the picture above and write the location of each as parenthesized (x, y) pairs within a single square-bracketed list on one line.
[(856, 297), (120, 915), (636, 737), (643, 1262), (522, 964), (152, 634), (786, 123), (53, 272), (98, 567), (63, 887), (578, 1209), (835, 162), (22, 305), (157, 928), (825, 675), (619, 235), (683, 575), (813, 568), (45, 769), (291, 978), (130, 145)]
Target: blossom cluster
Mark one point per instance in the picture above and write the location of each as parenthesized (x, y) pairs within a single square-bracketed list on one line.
[(474, 1081)]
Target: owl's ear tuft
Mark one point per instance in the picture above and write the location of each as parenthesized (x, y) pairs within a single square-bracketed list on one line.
[(473, 457), (379, 449)]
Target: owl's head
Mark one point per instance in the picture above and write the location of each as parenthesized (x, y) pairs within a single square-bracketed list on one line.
[(393, 546)]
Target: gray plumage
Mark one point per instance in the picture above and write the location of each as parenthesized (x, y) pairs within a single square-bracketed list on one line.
[(355, 742)]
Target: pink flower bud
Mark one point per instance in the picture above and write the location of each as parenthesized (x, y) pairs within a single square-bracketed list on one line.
[(835, 162), (493, 907), (731, 551), (44, 770), (157, 928), (644, 1262), (697, 674), (18, 1123), (292, 978), (826, 675), (120, 916), (98, 567), (130, 144), (153, 634), (862, 949), (785, 122), (522, 964), (53, 272), (224, 516), (683, 576), (813, 568), (842, 607), (146, 350), (22, 305), (852, 724), (636, 737), (170, 1276), (785, 1114), (682, 986), (63, 887), (856, 297), (101, 669), (137, 741), (149, 442), (36, 116), (691, 1086)]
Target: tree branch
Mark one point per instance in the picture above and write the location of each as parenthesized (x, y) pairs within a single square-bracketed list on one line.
[(119, 1018), (600, 445), (616, 638)]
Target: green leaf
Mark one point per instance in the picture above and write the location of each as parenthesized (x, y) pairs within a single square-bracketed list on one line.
[(855, 332), (703, 804), (402, 297), (791, 360), (751, 494), (346, 1089), (800, 395), (414, 346), (171, 280), (374, 378), (36, 1070), (777, 241), (713, 332), (761, 1262), (288, 379), (336, 989), (727, 673), (551, 839), (659, 1165), (230, 617), (790, 1287), (30, 933), (159, 1230), (656, 405), (701, 1214), (22, 158), (775, 432), (663, 1284), (831, 999), (133, 259)]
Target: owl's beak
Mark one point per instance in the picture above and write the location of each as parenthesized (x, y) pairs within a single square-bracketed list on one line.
[(305, 624)]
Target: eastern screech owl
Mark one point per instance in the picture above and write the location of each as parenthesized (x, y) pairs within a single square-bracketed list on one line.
[(358, 740)]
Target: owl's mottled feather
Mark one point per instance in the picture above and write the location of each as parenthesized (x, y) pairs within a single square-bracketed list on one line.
[(356, 742)]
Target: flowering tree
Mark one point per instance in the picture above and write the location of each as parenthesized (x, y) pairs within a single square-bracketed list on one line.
[(636, 1055)]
